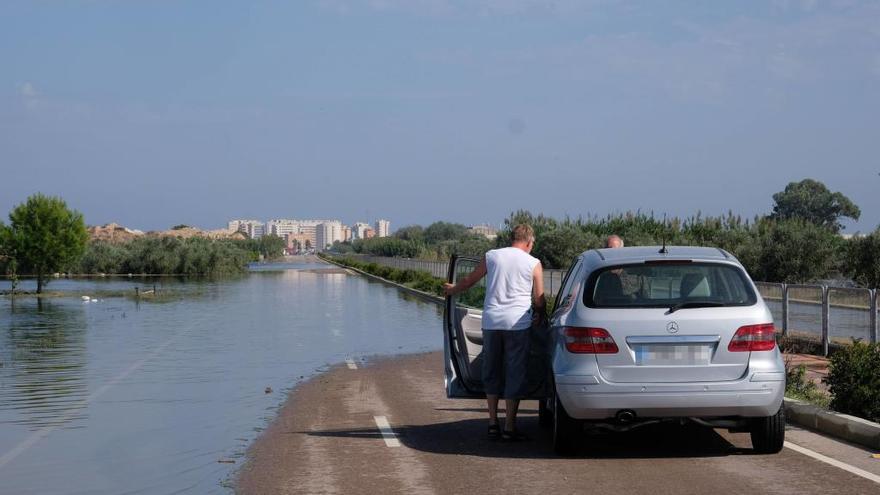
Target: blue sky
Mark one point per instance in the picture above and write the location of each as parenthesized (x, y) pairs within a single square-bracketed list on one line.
[(154, 113)]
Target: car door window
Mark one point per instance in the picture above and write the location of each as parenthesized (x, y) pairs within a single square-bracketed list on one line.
[(563, 297)]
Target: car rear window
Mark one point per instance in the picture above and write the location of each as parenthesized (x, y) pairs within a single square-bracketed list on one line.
[(656, 285)]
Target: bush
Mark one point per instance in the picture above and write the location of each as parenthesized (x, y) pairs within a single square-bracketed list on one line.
[(416, 279), (430, 285), (854, 380), (795, 251), (799, 387), (169, 255), (408, 275)]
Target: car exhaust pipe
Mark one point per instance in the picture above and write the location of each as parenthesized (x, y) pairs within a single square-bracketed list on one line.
[(625, 416)]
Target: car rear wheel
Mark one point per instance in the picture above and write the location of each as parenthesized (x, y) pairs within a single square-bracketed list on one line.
[(566, 430), (768, 434)]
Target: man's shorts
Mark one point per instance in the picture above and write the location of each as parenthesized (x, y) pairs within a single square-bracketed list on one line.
[(505, 362)]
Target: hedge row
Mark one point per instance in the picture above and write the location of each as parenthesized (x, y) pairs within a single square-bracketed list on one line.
[(416, 279)]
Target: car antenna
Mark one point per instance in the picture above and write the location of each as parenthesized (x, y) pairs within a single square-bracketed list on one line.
[(663, 249)]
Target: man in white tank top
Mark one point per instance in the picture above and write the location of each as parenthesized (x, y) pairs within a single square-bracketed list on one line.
[(514, 285)]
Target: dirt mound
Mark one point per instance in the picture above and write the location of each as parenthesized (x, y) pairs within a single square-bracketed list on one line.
[(113, 232)]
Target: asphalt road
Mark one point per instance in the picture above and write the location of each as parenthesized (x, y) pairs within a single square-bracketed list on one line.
[(328, 439)]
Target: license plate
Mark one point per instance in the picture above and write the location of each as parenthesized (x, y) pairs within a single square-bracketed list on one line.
[(673, 354)]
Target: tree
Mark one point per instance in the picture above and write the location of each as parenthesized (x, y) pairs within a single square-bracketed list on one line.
[(45, 236), (557, 248), (270, 246), (810, 200), (411, 233), (444, 231), (8, 265), (5, 248), (863, 259)]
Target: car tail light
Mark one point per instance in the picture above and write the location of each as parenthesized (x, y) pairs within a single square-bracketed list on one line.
[(753, 338), (589, 340)]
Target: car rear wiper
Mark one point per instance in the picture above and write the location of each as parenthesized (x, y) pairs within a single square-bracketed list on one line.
[(694, 304)]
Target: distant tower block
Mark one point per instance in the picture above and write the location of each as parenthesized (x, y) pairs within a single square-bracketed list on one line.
[(383, 228)]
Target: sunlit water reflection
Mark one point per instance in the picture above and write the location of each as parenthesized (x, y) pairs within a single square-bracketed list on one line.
[(120, 397)]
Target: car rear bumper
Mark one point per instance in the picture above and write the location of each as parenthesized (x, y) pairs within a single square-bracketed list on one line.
[(591, 397)]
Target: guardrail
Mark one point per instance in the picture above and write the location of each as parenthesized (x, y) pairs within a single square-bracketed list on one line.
[(827, 314), (815, 312)]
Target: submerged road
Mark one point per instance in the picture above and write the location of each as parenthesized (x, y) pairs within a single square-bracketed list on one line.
[(387, 427)]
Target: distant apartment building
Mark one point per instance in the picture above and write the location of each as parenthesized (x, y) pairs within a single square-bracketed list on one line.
[(346, 233), (256, 230), (239, 225), (359, 229), (486, 231), (326, 234), (253, 228), (285, 227), (282, 227), (383, 228)]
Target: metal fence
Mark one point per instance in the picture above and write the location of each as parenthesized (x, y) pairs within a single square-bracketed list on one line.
[(825, 314)]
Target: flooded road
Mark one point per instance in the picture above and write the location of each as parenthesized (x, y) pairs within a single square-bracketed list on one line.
[(164, 397)]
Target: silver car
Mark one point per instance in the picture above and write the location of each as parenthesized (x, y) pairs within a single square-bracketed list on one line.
[(638, 336)]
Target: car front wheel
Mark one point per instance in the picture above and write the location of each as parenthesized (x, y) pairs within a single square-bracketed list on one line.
[(566, 430), (768, 434), (545, 413)]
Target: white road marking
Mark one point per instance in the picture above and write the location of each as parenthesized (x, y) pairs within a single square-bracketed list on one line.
[(43, 432), (387, 433), (834, 462), (351, 364)]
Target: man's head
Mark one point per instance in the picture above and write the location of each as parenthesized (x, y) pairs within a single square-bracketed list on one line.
[(614, 241), (523, 237)]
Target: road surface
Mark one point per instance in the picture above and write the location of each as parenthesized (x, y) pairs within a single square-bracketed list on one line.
[(387, 427)]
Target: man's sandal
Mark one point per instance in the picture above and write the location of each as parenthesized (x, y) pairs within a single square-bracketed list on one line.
[(494, 432)]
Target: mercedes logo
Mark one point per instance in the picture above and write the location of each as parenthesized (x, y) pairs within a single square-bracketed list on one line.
[(672, 327)]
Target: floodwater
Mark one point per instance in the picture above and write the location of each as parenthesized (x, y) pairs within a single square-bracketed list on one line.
[(165, 397)]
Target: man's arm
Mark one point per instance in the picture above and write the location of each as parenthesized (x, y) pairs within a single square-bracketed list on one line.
[(467, 282), (538, 300)]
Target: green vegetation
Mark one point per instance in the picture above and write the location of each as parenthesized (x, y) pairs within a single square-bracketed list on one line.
[(854, 380), (415, 279), (797, 243), (173, 255), (43, 237), (772, 250), (797, 386)]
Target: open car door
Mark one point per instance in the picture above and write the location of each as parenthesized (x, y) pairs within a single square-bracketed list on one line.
[(463, 340)]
